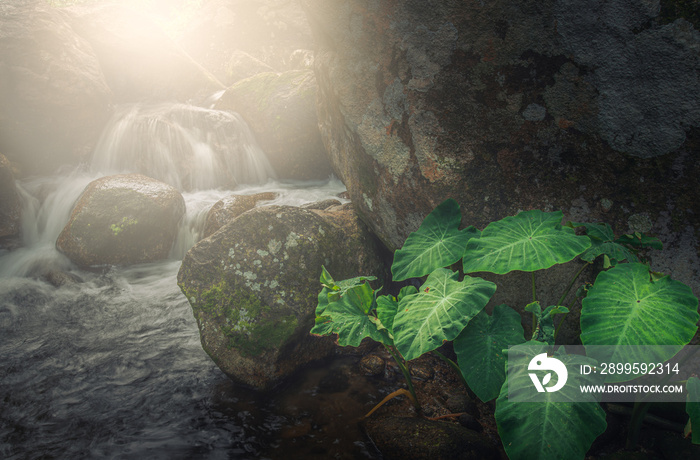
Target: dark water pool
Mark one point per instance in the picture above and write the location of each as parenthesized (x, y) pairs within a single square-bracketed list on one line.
[(112, 367)]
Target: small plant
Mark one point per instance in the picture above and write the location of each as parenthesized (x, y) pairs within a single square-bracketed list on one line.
[(627, 304)]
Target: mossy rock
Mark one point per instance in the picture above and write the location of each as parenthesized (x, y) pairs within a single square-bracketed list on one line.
[(122, 220), (253, 287)]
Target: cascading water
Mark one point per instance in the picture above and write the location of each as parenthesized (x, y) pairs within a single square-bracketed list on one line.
[(188, 147), (108, 364)]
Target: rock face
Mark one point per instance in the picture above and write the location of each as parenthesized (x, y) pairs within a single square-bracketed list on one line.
[(10, 203), (413, 438), (587, 106), (123, 219), (138, 59), (253, 286), (281, 111), (227, 209), (54, 100)]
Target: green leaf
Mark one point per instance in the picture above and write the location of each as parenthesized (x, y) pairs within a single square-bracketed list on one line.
[(437, 243), (625, 307), (692, 407), (439, 312), (603, 243), (349, 318), (326, 278), (386, 311), (544, 330), (530, 241), (545, 429), (640, 240), (406, 291), (481, 346), (340, 287)]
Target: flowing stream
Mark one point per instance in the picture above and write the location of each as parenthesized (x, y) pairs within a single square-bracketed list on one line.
[(109, 364)]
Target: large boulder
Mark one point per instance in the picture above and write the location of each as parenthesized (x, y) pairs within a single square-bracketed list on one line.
[(588, 106), (122, 220), (281, 111), (54, 100), (230, 207), (253, 286), (139, 60), (10, 203)]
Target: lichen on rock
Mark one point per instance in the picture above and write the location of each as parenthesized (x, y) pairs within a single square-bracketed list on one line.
[(253, 286)]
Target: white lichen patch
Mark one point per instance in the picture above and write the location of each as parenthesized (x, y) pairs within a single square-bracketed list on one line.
[(368, 201), (292, 240), (257, 263), (274, 246), (250, 276), (231, 253), (274, 284), (262, 253), (321, 231)]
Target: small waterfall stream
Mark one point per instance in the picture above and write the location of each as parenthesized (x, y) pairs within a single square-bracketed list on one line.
[(110, 365)]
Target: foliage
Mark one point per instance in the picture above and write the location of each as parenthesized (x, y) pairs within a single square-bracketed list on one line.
[(623, 306)]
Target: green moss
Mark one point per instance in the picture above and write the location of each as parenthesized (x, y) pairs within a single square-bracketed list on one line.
[(248, 324), (119, 227)]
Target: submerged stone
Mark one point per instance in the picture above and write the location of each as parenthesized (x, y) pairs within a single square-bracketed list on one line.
[(124, 219)]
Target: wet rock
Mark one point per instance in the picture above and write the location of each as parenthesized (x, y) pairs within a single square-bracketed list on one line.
[(372, 365), (321, 204), (504, 106), (281, 111), (418, 438), (10, 203), (227, 209), (60, 278), (124, 219), (468, 421), (54, 100), (137, 57), (461, 403), (253, 286)]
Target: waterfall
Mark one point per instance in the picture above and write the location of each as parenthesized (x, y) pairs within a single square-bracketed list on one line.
[(188, 147)]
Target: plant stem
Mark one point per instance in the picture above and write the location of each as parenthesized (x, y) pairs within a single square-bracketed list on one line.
[(638, 412), (556, 332), (407, 376), (456, 368), (534, 299), (571, 283)]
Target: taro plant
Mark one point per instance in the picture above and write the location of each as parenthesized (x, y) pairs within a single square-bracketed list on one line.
[(626, 305)]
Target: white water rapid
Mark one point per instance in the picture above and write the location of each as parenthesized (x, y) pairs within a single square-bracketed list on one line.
[(110, 364)]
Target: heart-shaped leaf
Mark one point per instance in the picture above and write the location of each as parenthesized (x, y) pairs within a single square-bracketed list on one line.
[(437, 243), (480, 349), (439, 312), (349, 318), (530, 241), (625, 307), (545, 429)]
